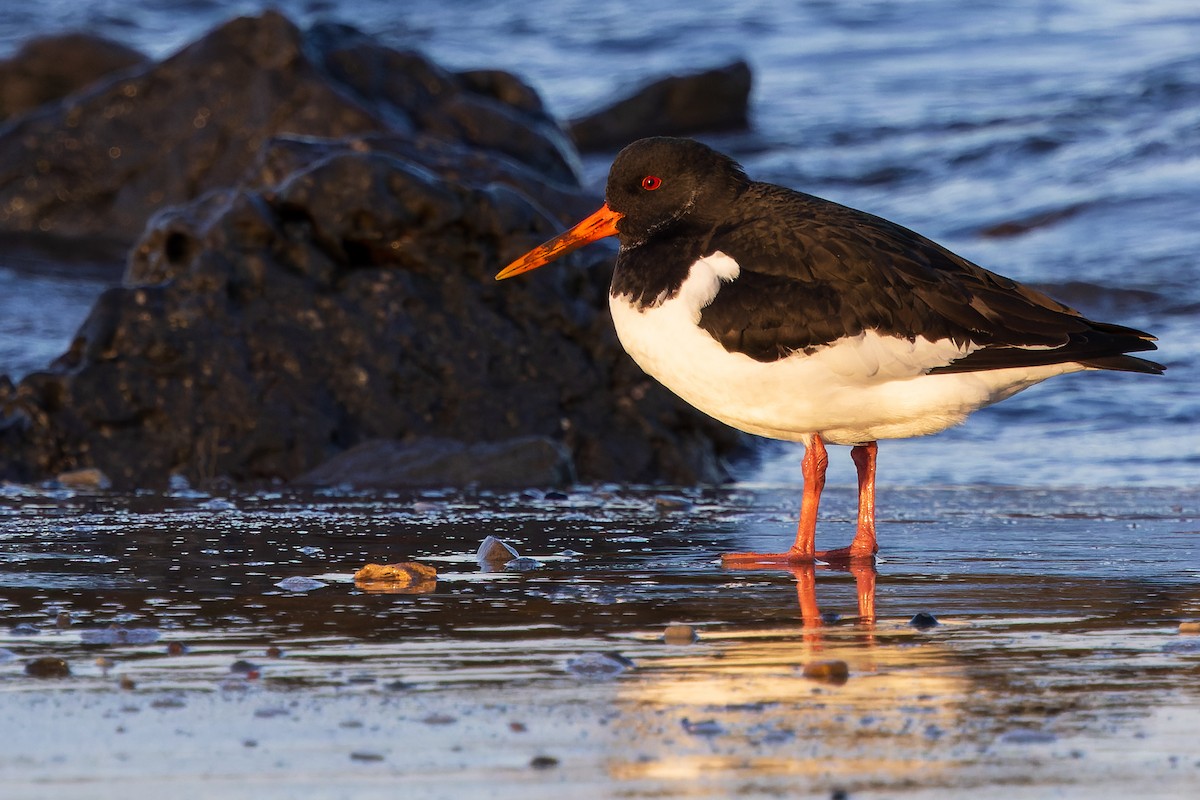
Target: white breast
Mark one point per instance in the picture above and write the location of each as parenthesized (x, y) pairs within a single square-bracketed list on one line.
[(857, 389)]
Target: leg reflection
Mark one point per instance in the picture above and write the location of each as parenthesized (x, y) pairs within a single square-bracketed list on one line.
[(864, 573)]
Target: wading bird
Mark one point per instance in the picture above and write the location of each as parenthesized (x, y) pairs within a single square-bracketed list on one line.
[(792, 317)]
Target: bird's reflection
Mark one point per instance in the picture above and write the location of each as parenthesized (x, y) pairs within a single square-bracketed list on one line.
[(864, 573)]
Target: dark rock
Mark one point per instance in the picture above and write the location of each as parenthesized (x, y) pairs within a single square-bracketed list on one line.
[(832, 671), (528, 461), (47, 667), (543, 762), (100, 162), (52, 67), (923, 621), (710, 101), (321, 293)]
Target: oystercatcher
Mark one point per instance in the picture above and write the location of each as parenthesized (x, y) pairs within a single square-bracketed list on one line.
[(792, 317)]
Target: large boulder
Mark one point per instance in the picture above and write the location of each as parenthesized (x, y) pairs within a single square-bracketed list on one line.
[(100, 162), (317, 273), (52, 67)]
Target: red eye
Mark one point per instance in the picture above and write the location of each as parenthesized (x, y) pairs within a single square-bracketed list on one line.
[(650, 183)]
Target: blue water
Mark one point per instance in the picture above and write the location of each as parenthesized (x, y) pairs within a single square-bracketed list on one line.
[(949, 118)]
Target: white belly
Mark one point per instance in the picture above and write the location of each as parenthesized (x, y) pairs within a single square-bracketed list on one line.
[(858, 389)]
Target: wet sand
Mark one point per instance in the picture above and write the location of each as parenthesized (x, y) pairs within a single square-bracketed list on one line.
[(1057, 668)]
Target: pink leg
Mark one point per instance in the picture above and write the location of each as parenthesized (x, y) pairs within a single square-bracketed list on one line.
[(804, 548)]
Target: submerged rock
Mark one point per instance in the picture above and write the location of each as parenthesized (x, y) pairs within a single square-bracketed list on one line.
[(598, 665), (679, 634), (923, 621), (832, 671)]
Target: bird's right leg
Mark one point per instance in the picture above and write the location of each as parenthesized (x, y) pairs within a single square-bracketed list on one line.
[(803, 549)]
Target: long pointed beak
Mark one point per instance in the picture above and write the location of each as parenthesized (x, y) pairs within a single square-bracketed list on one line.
[(599, 225)]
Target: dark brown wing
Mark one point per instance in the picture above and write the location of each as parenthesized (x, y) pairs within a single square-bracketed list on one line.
[(812, 272)]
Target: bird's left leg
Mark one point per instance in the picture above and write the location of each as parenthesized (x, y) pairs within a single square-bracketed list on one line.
[(864, 544)]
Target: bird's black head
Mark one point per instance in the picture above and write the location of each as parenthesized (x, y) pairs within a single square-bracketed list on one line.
[(661, 182)]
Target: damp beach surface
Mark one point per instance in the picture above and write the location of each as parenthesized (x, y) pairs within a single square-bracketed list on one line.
[(1027, 643)]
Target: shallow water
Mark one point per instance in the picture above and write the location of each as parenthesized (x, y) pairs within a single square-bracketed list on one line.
[(1057, 666)]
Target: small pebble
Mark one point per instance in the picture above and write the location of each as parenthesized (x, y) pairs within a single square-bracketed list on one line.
[(598, 665), (543, 762), (274, 652), (1189, 627), (679, 634), (407, 577), (25, 629), (364, 756), (554, 495), (127, 684), (833, 671), (116, 634), (440, 719), (47, 667), (517, 727), (830, 617), (495, 552), (243, 667), (176, 649), (62, 619), (923, 621), (299, 583), (169, 701), (704, 727)]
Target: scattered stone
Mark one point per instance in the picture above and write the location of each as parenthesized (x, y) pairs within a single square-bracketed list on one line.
[(555, 495), (923, 621), (169, 701), (117, 635), (62, 620), (679, 634), (1189, 627), (543, 762), (47, 667), (668, 504), (271, 712), (25, 629), (704, 727), (7, 655), (523, 564), (397, 686), (299, 583), (494, 552), (408, 577), (713, 100), (243, 667), (440, 719), (87, 478), (832, 671), (598, 666), (366, 756), (104, 663), (176, 648), (1028, 736), (127, 684), (274, 652), (1183, 647), (249, 743), (830, 617), (518, 727)]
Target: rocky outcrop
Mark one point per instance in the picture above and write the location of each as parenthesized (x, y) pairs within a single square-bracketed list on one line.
[(101, 162), (705, 102), (53, 67), (317, 289)]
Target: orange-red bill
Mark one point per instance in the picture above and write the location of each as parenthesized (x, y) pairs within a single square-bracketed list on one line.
[(597, 226)]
